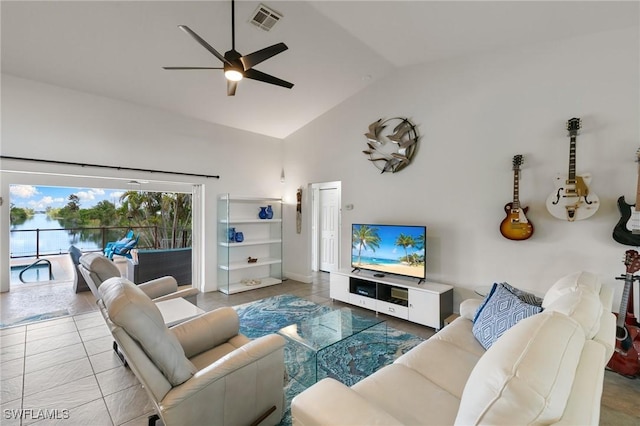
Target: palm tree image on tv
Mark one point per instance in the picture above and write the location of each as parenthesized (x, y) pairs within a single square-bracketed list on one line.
[(392, 249), (365, 237)]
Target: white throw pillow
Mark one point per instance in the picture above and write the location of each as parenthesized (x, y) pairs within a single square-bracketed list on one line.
[(526, 376), (583, 306), (573, 282)]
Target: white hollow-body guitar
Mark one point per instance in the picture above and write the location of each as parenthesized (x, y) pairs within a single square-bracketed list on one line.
[(572, 200)]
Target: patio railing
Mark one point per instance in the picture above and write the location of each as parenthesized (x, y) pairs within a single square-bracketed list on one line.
[(47, 242)]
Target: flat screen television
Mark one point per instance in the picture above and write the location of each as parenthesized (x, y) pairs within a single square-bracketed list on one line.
[(389, 249)]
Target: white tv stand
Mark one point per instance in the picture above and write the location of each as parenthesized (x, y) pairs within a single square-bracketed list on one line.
[(426, 303)]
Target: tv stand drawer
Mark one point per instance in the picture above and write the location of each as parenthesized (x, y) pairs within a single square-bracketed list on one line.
[(362, 301), (392, 309)]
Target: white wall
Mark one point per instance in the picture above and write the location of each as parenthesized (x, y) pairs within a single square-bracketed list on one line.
[(474, 115), (49, 122)]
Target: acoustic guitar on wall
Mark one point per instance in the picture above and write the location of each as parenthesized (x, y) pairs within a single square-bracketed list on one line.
[(627, 230), (516, 226), (572, 200), (625, 359)]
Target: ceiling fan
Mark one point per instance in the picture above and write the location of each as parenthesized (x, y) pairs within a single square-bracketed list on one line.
[(235, 65)]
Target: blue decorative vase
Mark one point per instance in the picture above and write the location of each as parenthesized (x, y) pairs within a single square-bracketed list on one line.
[(232, 234), (263, 213), (239, 237), (269, 212)]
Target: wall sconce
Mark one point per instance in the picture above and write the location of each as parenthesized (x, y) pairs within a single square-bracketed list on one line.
[(282, 176)]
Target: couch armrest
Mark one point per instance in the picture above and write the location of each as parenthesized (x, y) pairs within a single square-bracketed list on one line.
[(207, 330), (330, 402), (252, 352), (469, 307), (159, 287), (583, 406), (606, 335)]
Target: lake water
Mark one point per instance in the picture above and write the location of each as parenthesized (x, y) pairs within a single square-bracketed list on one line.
[(24, 243)]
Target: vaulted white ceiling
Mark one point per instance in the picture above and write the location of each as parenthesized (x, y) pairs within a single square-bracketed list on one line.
[(336, 48)]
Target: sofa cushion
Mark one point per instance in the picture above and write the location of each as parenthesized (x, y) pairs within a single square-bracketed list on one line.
[(527, 375), (583, 306), (131, 309), (407, 396), (500, 312), (460, 333), (572, 282), (451, 375)]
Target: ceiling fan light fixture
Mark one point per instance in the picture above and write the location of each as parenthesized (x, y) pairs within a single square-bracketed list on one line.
[(233, 74)]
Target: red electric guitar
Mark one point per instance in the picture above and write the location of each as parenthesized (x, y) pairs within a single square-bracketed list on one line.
[(626, 358)]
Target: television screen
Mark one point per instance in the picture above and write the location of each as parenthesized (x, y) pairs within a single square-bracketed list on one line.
[(389, 249)]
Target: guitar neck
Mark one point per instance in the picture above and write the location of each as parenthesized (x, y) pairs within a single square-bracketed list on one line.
[(572, 159), (624, 301), (516, 189), (638, 190)]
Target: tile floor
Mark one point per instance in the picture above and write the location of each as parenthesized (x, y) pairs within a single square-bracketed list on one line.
[(68, 363)]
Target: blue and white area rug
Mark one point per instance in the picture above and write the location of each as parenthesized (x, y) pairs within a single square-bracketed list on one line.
[(349, 363)]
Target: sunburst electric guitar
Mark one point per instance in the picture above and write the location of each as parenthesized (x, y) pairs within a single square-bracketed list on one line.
[(572, 200), (516, 226), (627, 230), (625, 359)]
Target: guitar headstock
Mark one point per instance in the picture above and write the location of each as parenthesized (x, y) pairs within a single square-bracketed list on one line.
[(632, 261), (517, 161), (573, 125)]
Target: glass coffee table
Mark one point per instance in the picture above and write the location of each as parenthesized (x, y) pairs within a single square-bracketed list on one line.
[(308, 340)]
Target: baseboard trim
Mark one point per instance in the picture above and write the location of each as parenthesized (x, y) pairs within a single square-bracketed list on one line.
[(307, 279)]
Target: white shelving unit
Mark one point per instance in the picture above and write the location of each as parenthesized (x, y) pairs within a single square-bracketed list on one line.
[(262, 240)]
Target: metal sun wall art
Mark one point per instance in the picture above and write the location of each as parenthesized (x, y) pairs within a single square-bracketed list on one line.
[(392, 152)]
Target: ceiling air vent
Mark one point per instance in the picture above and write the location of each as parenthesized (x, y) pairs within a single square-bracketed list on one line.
[(265, 17)]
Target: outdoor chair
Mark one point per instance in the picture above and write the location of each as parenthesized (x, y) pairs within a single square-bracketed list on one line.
[(199, 372), (97, 268), (79, 283), (124, 240), (121, 247)]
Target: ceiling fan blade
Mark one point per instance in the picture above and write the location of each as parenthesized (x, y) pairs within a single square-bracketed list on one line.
[(203, 43), (192, 68), (266, 78), (231, 87), (253, 59)]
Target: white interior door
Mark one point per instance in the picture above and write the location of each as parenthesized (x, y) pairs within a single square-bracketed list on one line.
[(329, 226)]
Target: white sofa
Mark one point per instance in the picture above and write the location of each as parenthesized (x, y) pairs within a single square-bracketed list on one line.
[(547, 368)]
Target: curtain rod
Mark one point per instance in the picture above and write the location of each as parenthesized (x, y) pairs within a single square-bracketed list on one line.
[(69, 163)]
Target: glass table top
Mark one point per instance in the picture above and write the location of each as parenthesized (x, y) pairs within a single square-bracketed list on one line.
[(324, 330)]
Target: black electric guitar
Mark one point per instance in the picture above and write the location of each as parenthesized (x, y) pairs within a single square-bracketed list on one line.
[(626, 358), (516, 226), (627, 230), (572, 200)]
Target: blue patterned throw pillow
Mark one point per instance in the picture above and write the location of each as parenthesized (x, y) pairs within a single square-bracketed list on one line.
[(525, 296), (501, 311), (484, 302)]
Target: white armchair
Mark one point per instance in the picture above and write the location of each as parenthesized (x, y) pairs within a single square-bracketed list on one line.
[(200, 372)]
